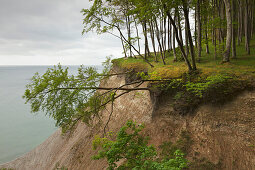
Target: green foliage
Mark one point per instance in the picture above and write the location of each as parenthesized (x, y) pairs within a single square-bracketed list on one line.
[(67, 98), (150, 76), (132, 147), (178, 95), (198, 88), (58, 167), (183, 144)]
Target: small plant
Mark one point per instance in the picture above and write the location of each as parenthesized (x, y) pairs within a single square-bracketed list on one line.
[(58, 167), (198, 88), (133, 148)]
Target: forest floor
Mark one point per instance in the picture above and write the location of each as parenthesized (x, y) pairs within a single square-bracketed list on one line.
[(242, 66)]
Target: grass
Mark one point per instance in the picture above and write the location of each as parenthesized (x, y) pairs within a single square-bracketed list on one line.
[(243, 66)]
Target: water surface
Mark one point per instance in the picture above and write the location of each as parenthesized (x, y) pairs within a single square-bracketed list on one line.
[(20, 130)]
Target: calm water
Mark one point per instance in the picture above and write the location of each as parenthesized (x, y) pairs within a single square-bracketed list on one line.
[(20, 131)]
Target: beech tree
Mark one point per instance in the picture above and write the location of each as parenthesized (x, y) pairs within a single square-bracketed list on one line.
[(226, 54), (162, 20), (68, 98)]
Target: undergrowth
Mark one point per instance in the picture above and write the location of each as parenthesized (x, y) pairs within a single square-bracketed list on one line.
[(132, 147)]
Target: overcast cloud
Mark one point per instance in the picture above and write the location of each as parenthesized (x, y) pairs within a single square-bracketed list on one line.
[(46, 32)]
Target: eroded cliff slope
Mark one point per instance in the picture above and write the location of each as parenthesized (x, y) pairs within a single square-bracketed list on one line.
[(220, 137)]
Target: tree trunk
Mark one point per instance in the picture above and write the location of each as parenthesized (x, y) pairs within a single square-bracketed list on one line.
[(178, 40), (229, 31), (159, 43), (169, 36), (198, 31), (206, 37), (138, 38), (240, 22), (153, 41), (146, 52), (233, 29), (186, 39), (129, 34), (195, 31), (179, 26), (214, 31), (174, 52), (186, 16), (123, 46), (247, 25)]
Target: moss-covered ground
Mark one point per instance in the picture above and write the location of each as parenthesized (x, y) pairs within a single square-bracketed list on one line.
[(243, 66)]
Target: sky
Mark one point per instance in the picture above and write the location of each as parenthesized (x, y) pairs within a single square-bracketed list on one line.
[(48, 32)]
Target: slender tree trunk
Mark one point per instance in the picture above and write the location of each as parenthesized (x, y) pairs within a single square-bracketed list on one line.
[(123, 46), (195, 33), (214, 31), (215, 45), (137, 35), (186, 39), (240, 22), (129, 34), (147, 51), (153, 40), (206, 37), (165, 35), (174, 52), (125, 40), (169, 36), (252, 18), (222, 18), (233, 29), (186, 16), (199, 48), (179, 26), (247, 25), (229, 31), (159, 42), (178, 40)]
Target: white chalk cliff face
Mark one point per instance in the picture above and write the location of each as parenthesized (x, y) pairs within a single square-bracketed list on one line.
[(221, 134)]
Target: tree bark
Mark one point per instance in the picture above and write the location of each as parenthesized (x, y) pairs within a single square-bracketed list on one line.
[(186, 16), (178, 40), (206, 37), (186, 39), (247, 25), (174, 52), (179, 26), (226, 53), (198, 31), (137, 34), (153, 40), (159, 43), (233, 29)]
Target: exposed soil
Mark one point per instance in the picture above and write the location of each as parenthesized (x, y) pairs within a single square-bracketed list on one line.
[(221, 137)]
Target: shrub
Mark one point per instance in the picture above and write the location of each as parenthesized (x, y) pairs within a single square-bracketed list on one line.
[(133, 148)]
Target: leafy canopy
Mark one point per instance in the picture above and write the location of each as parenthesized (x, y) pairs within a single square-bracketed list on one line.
[(66, 98)]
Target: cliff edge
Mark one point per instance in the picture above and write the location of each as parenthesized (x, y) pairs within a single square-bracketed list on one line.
[(217, 136)]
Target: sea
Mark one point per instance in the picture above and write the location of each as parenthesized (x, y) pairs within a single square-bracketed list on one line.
[(21, 130)]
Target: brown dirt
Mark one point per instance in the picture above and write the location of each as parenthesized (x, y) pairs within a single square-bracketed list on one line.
[(223, 135)]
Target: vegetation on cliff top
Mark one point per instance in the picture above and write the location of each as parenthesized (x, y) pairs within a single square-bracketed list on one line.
[(189, 74), (163, 23), (188, 68)]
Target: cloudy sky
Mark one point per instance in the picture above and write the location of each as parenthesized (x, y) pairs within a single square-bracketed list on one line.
[(47, 32)]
